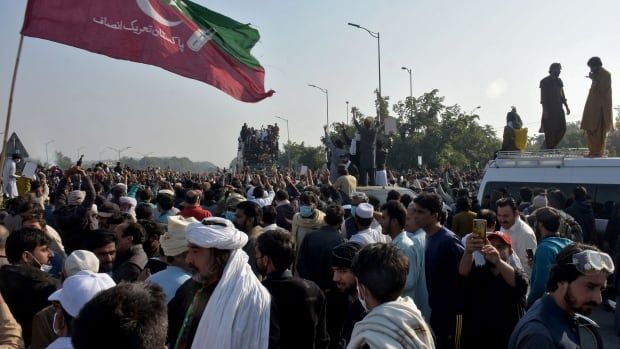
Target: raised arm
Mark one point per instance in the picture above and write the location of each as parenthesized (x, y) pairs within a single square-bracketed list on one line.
[(88, 186)]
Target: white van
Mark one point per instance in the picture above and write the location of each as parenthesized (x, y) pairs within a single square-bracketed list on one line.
[(563, 169)]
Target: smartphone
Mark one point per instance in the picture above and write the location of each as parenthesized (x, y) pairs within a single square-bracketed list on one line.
[(530, 253), (480, 228)]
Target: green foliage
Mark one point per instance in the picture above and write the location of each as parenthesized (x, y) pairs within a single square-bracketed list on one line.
[(573, 138), (576, 138), (382, 104), (300, 154), (63, 161), (442, 135)]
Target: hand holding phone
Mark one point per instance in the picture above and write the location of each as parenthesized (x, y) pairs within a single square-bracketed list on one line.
[(480, 228)]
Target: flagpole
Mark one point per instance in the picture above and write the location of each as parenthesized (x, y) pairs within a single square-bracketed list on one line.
[(10, 107)]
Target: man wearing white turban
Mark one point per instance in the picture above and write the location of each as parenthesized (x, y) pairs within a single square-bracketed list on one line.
[(237, 307)]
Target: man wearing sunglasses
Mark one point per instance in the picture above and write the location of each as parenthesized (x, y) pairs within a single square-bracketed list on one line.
[(575, 285)]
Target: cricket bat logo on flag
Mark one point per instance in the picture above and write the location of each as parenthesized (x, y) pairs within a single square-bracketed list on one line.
[(195, 42), (157, 32)]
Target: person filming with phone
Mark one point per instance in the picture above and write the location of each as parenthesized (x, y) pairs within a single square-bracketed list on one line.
[(494, 292)]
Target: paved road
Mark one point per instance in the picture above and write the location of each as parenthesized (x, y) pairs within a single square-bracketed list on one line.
[(605, 319)]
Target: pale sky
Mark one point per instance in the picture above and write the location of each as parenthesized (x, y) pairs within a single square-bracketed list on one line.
[(487, 53)]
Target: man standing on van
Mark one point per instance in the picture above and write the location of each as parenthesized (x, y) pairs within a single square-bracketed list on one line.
[(597, 117), (552, 98)]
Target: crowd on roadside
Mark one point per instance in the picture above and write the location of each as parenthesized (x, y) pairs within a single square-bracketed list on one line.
[(259, 147), (105, 257)]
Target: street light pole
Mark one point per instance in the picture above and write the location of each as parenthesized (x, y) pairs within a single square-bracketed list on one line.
[(47, 157), (324, 90), (410, 87), (410, 81), (377, 36), (288, 136), (347, 112), (119, 151)]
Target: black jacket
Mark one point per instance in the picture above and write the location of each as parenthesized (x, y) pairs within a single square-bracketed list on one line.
[(584, 215), (314, 256), (73, 221), (129, 266), (300, 308), (25, 290)]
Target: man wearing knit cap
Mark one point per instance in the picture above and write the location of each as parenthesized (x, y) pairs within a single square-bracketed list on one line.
[(346, 310), (364, 215), (232, 309), (174, 244)]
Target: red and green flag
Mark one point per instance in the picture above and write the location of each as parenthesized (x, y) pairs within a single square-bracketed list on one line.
[(177, 35)]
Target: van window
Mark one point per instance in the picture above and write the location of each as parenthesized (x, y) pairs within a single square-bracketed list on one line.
[(604, 197)]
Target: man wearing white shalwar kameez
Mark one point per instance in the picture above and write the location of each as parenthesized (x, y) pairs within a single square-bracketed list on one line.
[(237, 312), (9, 177)]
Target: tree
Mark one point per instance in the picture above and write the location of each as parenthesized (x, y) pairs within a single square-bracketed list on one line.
[(63, 161), (382, 104), (573, 138), (613, 142), (313, 157), (442, 135)]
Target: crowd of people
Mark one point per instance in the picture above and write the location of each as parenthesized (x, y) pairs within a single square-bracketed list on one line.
[(259, 147), (106, 257)]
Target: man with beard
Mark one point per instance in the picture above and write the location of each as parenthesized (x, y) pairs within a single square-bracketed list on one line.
[(231, 309), (597, 117), (552, 98), (522, 236), (345, 311), (299, 303), (248, 219), (575, 285), (102, 243)]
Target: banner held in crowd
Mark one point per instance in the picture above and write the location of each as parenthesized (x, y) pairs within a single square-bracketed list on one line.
[(177, 35)]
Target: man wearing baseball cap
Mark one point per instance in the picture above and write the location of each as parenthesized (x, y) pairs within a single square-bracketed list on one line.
[(494, 292), (77, 290)]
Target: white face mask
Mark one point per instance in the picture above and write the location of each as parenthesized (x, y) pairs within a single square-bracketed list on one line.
[(46, 268), (359, 296)]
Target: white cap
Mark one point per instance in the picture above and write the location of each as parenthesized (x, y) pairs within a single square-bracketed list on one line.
[(80, 260), (166, 191), (79, 289), (364, 210)]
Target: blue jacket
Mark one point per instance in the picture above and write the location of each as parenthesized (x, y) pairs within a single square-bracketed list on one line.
[(544, 258)]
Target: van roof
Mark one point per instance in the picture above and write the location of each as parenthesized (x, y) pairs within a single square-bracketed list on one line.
[(557, 158)]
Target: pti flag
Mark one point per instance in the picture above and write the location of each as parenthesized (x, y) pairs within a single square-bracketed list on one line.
[(177, 35)]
